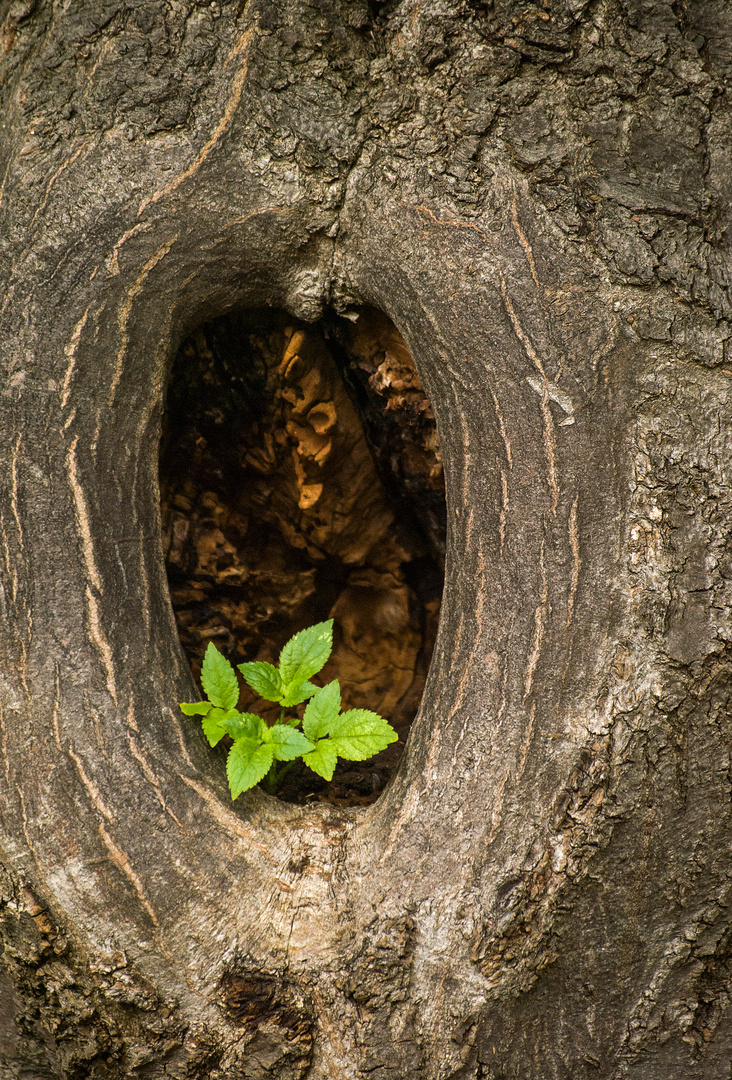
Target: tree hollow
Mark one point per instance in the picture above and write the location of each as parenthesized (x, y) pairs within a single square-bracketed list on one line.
[(301, 479)]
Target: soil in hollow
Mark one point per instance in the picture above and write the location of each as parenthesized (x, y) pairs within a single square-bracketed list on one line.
[(301, 479)]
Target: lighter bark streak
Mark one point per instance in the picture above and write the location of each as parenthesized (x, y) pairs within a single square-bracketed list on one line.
[(64, 165), (575, 546), (233, 825), (127, 308), (407, 813), (454, 224), (179, 731), (9, 576), (151, 777), (522, 238), (554, 393), (106, 47), (101, 642), (549, 440), (219, 130), (14, 490), (121, 860), (496, 815), (113, 269), (92, 789), (502, 429), (504, 510), (118, 856), (82, 518), (257, 213), (54, 710), (539, 627), (144, 578), (70, 352), (526, 741), (5, 177)]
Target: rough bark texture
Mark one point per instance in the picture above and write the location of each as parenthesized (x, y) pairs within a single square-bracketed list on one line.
[(535, 196)]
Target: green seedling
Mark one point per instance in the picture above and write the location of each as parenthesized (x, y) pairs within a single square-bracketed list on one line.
[(327, 733)]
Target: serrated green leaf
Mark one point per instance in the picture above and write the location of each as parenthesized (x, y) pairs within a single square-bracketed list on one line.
[(244, 726), (359, 734), (195, 708), (321, 710), (264, 679), (248, 763), (287, 742), (213, 727), (323, 759), (297, 693), (304, 655), (218, 679)]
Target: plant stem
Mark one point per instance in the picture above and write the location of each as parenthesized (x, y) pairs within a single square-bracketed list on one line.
[(284, 771), (272, 779)]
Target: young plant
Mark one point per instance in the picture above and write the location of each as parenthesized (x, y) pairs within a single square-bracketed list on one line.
[(327, 733)]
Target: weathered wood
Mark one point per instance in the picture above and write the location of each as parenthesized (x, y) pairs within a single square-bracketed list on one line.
[(538, 199)]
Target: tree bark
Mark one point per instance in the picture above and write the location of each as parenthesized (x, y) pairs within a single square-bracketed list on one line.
[(538, 197)]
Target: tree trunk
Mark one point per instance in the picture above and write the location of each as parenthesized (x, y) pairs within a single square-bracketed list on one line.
[(536, 197)]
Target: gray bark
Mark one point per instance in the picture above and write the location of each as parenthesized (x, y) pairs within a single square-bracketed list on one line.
[(538, 197)]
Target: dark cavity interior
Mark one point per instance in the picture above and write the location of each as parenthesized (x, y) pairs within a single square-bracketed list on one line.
[(301, 479)]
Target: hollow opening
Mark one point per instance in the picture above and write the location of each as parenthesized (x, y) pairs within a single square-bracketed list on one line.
[(301, 480)]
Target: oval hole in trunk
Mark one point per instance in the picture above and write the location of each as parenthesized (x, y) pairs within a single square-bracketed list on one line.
[(301, 479)]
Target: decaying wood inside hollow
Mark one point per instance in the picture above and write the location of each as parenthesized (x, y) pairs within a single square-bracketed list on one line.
[(301, 479)]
